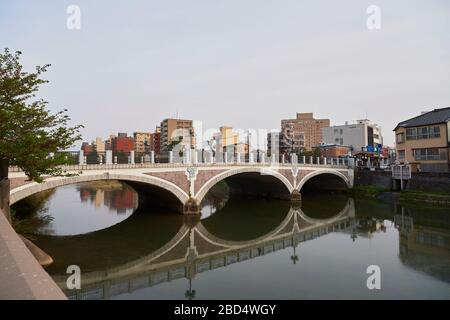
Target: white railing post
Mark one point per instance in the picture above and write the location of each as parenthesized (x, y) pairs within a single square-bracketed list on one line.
[(132, 157), (170, 156), (152, 156), (225, 157), (109, 158), (81, 158), (274, 158), (195, 157)]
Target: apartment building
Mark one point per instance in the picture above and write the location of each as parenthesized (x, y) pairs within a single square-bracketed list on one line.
[(302, 133), (142, 142), (176, 129), (229, 139), (424, 141), (99, 144), (122, 143), (155, 141), (357, 136)]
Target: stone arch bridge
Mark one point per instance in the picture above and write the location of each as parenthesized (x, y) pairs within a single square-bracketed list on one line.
[(183, 187)]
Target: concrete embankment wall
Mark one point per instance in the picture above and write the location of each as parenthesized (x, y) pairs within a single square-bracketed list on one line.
[(430, 181), (21, 276), (379, 179), (424, 181), (4, 197)]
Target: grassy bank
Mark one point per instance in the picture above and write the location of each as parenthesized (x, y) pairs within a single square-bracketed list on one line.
[(403, 197), (370, 192), (432, 198)]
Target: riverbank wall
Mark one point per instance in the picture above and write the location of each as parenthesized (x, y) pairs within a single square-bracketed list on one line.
[(4, 198), (423, 182), (21, 275)]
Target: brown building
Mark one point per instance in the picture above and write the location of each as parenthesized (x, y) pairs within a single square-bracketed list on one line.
[(176, 129), (155, 141), (87, 148), (302, 133), (142, 142), (122, 143), (333, 151), (424, 141)]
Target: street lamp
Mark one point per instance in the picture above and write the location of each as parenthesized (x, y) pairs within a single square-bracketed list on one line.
[(294, 257), (190, 294)]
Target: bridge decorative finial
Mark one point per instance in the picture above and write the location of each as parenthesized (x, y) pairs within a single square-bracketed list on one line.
[(191, 173), (294, 171)]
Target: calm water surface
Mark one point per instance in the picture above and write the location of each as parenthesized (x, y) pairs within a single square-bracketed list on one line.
[(242, 249)]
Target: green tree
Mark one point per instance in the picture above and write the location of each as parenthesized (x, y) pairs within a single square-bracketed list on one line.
[(29, 132)]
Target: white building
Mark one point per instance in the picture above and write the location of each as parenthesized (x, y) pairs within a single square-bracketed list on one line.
[(359, 135)]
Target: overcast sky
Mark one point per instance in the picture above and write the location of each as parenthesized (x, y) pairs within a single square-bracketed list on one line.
[(246, 64)]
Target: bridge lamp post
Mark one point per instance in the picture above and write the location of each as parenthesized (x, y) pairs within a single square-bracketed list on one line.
[(294, 257), (190, 294), (249, 134), (353, 236)]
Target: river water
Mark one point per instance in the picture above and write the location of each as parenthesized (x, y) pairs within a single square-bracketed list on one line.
[(240, 248)]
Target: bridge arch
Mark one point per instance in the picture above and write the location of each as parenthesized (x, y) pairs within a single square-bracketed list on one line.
[(324, 172), (347, 211), (201, 193), (27, 190)]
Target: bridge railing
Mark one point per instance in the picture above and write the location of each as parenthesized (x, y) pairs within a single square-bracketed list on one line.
[(80, 160)]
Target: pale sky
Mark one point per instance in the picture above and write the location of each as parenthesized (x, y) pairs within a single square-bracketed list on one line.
[(246, 64)]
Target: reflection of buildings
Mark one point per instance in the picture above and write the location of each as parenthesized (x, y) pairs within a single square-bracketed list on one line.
[(367, 226), (194, 250), (424, 248), (119, 200), (99, 198)]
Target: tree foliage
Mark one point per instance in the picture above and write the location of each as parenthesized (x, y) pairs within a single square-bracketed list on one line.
[(30, 135)]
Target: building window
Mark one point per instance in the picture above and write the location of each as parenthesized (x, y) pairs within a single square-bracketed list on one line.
[(429, 154), (435, 132), (422, 133), (411, 133), (400, 137), (401, 154)]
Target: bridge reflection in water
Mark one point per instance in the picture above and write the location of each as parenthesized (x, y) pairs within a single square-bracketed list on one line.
[(194, 250)]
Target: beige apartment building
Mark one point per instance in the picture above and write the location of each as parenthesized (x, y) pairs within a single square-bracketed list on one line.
[(142, 142), (99, 144), (227, 138), (424, 141), (302, 133), (174, 129)]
